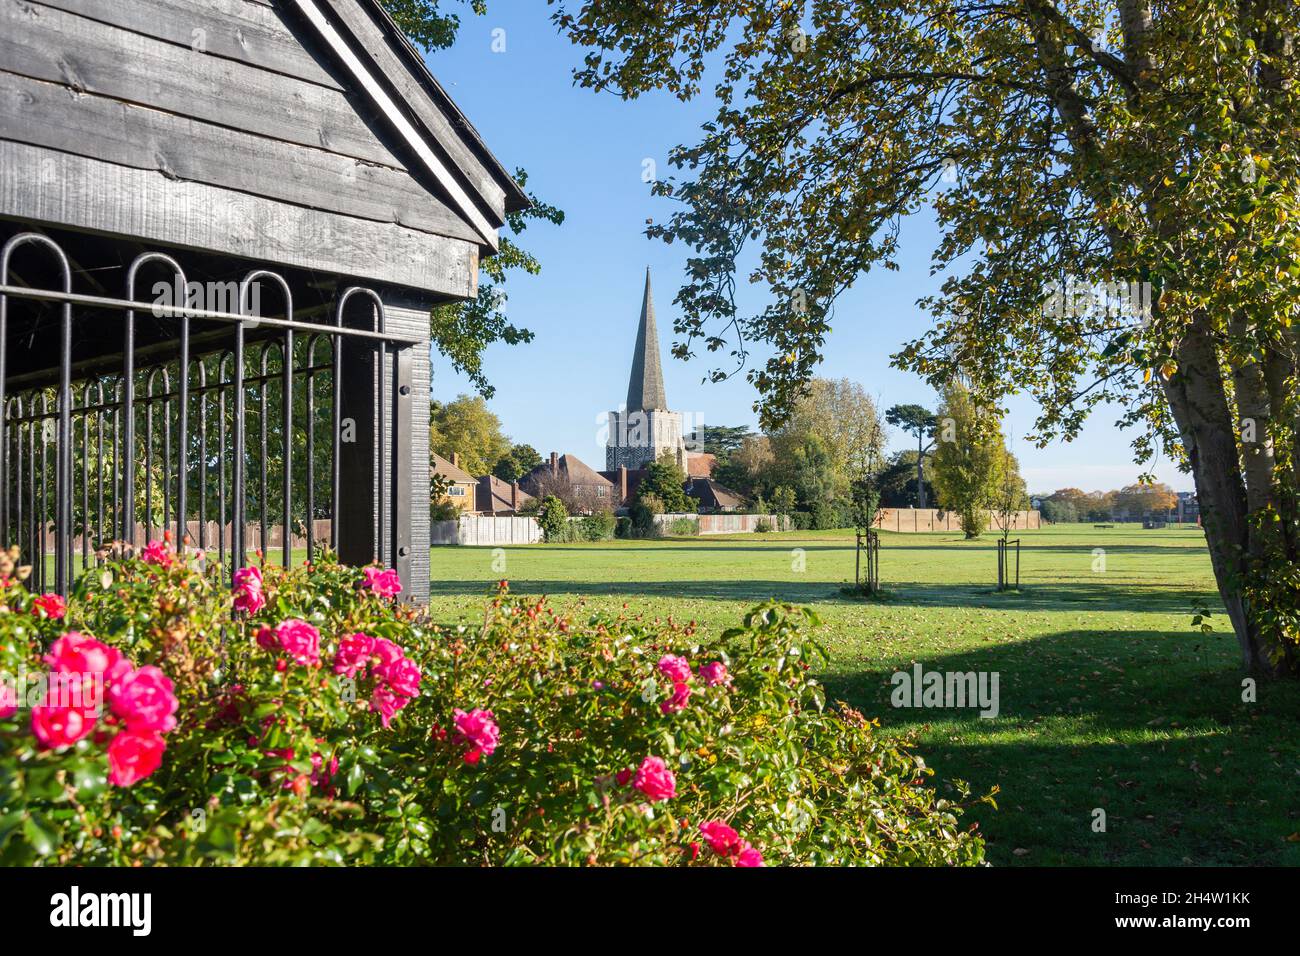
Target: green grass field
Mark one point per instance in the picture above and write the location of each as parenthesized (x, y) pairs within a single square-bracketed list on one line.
[(1108, 699)]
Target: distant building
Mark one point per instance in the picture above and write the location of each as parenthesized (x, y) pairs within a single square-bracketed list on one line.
[(492, 496), (645, 429), (461, 490), (1189, 509), (713, 497), (573, 481)]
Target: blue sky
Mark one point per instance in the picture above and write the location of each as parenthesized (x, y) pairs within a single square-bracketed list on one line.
[(586, 152)]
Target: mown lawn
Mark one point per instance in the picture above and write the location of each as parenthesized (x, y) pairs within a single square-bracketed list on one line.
[(1108, 699)]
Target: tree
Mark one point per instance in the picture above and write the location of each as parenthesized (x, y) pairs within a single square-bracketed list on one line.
[(719, 440), (466, 427), (898, 482), (748, 469), (462, 331), (552, 517), (783, 500), (517, 462), (1059, 511), (1008, 496), (843, 418), (1142, 500), (666, 482), (1140, 150), (919, 421), (968, 457), (815, 477)]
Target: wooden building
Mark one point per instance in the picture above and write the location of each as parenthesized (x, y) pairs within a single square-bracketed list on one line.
[(207, 209)]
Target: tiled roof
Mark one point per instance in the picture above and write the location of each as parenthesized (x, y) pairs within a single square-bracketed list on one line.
[(441, 466)]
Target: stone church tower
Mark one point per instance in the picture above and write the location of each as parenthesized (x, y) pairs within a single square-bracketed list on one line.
[(644, 429)]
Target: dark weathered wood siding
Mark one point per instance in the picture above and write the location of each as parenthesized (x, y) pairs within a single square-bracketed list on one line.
[(225, 125)]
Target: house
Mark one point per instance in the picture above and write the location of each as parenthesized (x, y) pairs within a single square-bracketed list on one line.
[(462, 486), (567, 477), (296, 175), (492, 496), (1189, 509), (713, 497)]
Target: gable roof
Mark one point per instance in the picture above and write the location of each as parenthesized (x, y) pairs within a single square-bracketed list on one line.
[(713, 495), (394, 79), (299, 133), (572, 468), (493, 494), (441, 466)]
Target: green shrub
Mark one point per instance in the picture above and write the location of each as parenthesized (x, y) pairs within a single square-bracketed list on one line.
[(623, 527), (802, 520), (683, 527), (762, 526), (327, 724), (598, 526), (552, 518)]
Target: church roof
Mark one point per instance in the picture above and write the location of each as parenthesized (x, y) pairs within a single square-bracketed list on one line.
[(645, 387)]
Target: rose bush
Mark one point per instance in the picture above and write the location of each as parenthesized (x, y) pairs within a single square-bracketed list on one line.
[(307, 716)]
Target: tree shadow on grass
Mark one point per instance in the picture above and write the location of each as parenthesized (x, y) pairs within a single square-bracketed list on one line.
[(1140, 724), (1032, 597)]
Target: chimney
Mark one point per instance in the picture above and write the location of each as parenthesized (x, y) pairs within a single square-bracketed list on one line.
[(455, 459), (514, 496), (555, 463), (622, 484)]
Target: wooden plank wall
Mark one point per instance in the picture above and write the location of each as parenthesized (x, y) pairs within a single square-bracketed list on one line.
[(189, 106)]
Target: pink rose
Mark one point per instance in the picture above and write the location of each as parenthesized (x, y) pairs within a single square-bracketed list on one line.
[(8, 701), (50, 606), (677, 702), (655, 780), (715, 673), (748, 856), (75, 653), (404, 677), (353, 653), (478, 730), (388, 654), (132, 756), (56, 726), (267, 640), (722, 839), (386, 703), (383, 582), (155, 552), (676, 669), (144, 700), (300, 640), (248, 590)]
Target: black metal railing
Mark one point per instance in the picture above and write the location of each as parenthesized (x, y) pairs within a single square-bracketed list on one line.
[(159, 440)]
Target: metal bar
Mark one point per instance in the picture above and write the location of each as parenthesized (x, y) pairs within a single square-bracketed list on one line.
[(221, 464), (261, 461), (166, 455), (102, 302), (128, 375), (85, 478), (237, 456), (286, 402), (99, 460), (311, 447), (39, 554), (203, 458), (400, 533), (183, 433)]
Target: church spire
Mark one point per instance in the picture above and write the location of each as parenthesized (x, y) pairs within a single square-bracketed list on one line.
[(645, 388)]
